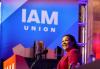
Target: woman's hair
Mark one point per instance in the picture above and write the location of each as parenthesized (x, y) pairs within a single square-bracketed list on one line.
[(72, 38)]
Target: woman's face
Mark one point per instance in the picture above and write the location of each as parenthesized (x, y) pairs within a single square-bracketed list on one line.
[(66, 43)]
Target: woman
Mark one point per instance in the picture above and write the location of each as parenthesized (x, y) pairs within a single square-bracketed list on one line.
[(70, 60)]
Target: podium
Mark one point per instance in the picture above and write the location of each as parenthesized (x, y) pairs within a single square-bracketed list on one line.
[(15, 62)]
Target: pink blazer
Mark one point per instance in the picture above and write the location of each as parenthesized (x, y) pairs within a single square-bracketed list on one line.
[(71, 58)]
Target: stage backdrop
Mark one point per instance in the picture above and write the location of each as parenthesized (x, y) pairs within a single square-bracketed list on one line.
[(24, 22)]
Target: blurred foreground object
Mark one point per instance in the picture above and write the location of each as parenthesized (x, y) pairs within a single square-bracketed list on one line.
[(93, 65)]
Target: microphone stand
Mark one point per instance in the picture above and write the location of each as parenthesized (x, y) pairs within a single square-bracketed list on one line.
[(37, 59)]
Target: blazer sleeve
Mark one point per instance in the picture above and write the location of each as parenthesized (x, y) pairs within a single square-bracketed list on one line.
[(73, 56)]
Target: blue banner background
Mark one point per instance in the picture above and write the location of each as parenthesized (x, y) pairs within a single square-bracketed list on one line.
[(13, 29)]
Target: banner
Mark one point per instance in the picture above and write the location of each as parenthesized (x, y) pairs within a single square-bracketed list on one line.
[(24, 22)]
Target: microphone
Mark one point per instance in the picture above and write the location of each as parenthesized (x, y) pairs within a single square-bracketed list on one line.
[(44, 52)]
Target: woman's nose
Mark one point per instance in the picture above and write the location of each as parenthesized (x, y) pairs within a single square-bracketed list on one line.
[(63, 42)]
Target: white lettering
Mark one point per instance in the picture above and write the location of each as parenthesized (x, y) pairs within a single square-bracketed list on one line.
[(39, 28), (7, 67), (45, 17), (33, 28), (53, 30), (23, 15), (26, 27), (35, 19), (11, 66), (45, 29)]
